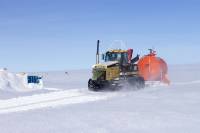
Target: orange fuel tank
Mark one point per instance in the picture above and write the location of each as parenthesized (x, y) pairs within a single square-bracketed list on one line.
[(153, 68)]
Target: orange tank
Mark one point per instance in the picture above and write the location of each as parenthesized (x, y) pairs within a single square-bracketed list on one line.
[(153, 68)]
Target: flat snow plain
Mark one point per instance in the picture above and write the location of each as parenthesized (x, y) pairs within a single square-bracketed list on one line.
[(65, 105)]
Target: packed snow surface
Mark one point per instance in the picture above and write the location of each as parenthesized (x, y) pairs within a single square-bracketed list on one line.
[(65, 105)]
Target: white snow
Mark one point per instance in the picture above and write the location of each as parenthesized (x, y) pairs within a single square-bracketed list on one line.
[(52, 99), (15, 82), (61, 108)]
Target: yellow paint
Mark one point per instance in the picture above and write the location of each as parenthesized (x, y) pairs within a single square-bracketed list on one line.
[(100, 66), (112, 73), (118, 51)]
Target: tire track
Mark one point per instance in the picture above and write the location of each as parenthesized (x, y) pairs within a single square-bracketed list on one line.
[(52, 99)]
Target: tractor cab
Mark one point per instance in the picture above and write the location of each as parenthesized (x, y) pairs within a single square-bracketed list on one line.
[(123, 57), (116, 55)]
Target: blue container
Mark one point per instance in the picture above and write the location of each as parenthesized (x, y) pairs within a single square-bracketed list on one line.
[(34, 79)]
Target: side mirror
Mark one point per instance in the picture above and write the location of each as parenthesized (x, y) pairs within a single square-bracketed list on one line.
[(103, 56)]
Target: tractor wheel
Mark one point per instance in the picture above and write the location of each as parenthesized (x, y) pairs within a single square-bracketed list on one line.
[(93, 86)]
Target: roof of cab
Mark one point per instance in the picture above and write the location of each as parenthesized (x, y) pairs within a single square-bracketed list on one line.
[(117, 51)]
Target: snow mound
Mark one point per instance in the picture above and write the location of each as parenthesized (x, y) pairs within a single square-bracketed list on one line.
[(15, 82)]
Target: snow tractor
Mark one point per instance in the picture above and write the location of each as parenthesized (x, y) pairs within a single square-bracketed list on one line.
[(117, 69)]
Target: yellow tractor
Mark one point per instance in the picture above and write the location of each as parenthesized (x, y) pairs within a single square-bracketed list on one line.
[(117, 69)]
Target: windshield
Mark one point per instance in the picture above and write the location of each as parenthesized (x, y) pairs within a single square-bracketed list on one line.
[(121, 57)]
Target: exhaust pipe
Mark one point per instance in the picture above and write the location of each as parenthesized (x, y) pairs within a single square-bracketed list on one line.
[(97, 54)]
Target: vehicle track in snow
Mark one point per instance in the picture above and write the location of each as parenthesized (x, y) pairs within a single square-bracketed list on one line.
[(52, 99), (60, 98), (187, 83)]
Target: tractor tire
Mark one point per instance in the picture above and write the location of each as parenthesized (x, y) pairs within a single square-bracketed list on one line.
[(93, 86)]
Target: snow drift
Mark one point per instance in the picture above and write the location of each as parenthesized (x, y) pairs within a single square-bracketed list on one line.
[(16, 82)]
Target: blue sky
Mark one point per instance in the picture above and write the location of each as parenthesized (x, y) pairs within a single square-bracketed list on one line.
[(37, 35)]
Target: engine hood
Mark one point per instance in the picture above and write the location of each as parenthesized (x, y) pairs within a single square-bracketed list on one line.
[(105, 65)]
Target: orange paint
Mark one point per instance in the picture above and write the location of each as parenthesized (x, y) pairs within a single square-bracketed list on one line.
[(153, 68)]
